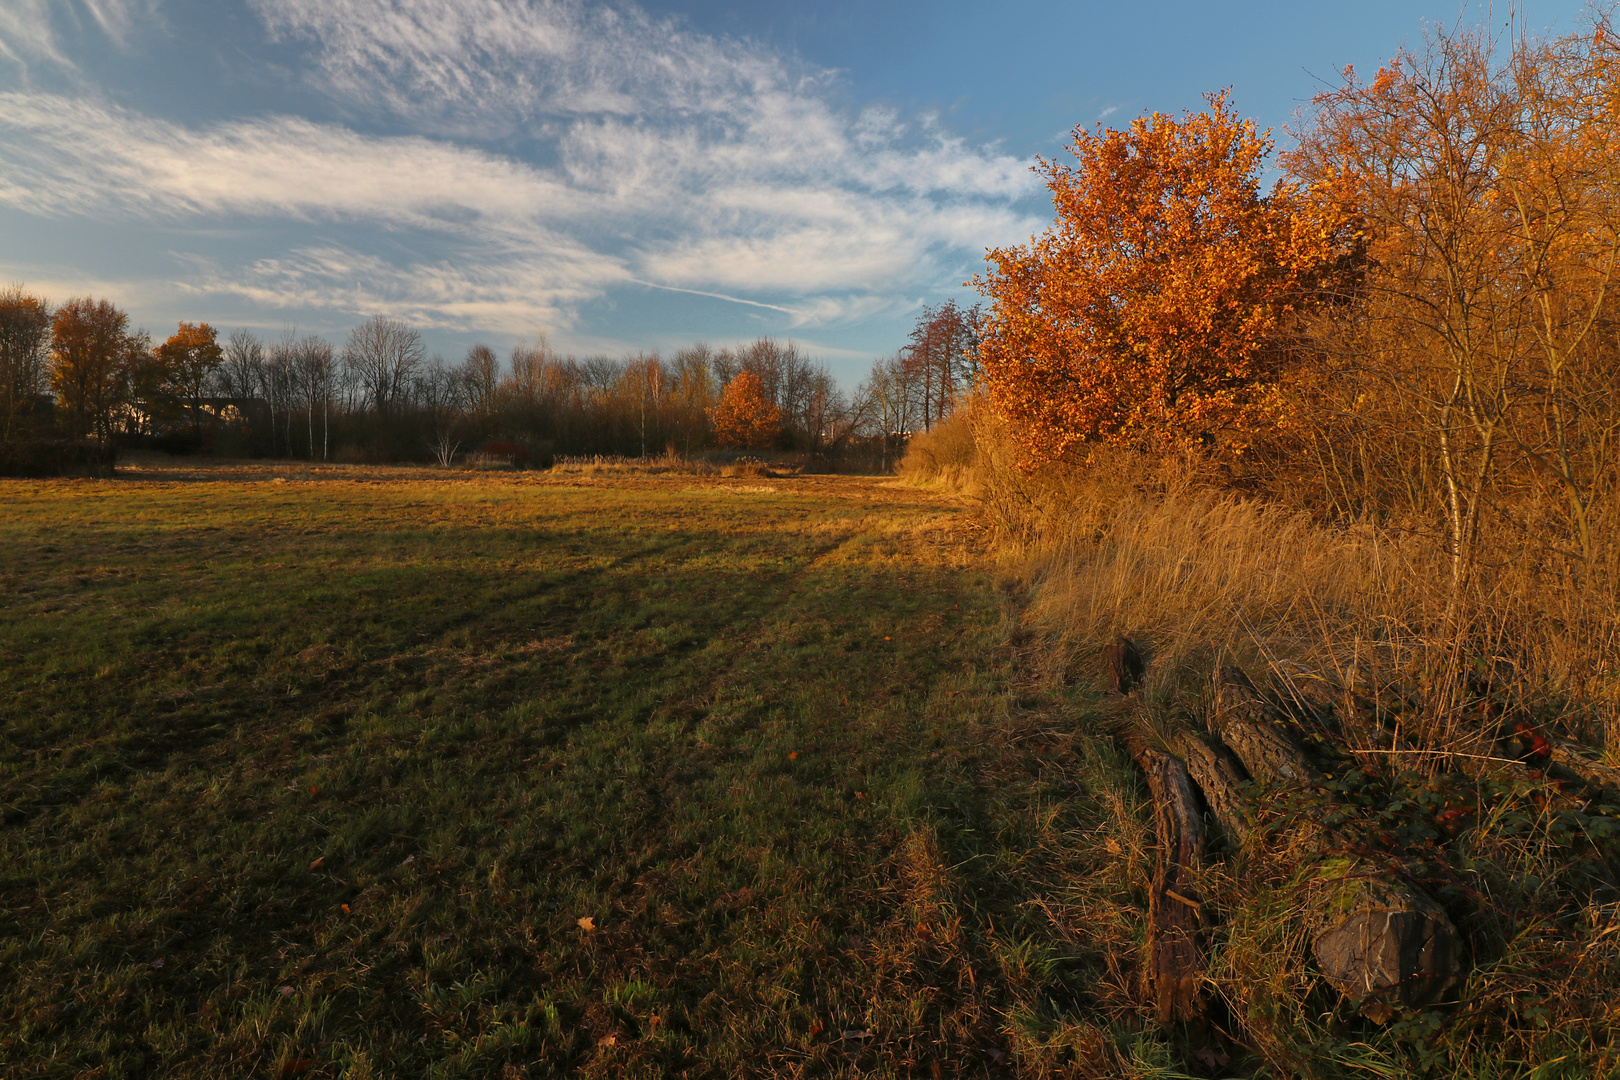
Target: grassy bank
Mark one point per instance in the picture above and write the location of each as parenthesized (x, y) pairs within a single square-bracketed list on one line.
[(1427, 714), (356, 772)]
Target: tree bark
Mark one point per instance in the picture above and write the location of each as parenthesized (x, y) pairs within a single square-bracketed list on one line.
[(1376, 938), (1245, 721), (1175, 911), (1220, 779), (1124, 663)]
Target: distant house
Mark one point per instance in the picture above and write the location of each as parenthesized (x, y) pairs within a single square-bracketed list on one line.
[(168, 417)]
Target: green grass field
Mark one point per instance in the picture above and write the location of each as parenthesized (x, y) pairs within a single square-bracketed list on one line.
[(374, 773)]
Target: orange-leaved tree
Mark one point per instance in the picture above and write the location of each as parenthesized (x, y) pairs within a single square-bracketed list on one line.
[(187, 359), (1475, 372), (744, 416), (89, 350), (1152, 312)]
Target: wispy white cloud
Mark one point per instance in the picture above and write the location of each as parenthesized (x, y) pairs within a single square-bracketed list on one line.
[(514, 297), (515, 60), (118, 18), (671, 158), (30, 29), (73, 155), (26, 33)]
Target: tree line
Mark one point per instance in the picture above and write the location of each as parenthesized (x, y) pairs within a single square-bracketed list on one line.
[(82, 371)]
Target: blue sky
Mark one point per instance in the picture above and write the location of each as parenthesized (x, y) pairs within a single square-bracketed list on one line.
[(616, 177)]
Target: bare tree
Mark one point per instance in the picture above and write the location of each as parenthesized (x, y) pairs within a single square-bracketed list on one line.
[(887, 403), (313, 372), (695, 389), (943, 358), (441, 391), (481, 375), (280, 386), (241, 374), (383, 355)]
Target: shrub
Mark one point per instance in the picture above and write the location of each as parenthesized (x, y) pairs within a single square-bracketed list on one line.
[(512, 454), (947, 453), (57, 457)]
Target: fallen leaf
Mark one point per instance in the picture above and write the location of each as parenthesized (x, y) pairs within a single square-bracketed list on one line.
[(793, 756), (1378, 1012), (345, 908), (608, 1040), (587, 923), (317, 864), (1113, 846), (284, 991)]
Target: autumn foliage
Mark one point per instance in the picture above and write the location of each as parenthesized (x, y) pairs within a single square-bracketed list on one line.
[(745, 417), (90, 350), (187, 359), (1473, 368), (1152, 312), (25, 334)]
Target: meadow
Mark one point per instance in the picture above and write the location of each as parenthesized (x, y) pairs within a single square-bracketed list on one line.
[(365, 771)]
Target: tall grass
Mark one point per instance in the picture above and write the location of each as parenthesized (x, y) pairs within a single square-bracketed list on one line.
[(1155, 549)]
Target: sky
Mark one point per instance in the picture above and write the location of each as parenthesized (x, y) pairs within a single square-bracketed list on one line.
[(611, 176)]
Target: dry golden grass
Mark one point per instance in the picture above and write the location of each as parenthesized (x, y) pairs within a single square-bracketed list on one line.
[(1150, 549), (946, 455)]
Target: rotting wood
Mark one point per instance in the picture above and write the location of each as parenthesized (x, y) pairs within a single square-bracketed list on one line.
[(1305, 694), (1220, 779), (1250, 726), (1376, 938), (1175, 912), (1380, 941), (1123, 661), (1604, 780)]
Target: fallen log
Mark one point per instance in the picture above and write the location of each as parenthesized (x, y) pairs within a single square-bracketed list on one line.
[(1175, 970), (1604, 780), (1254, 730), (1220, 779), (1376, 938), (1175, 910), (1380, 941)]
